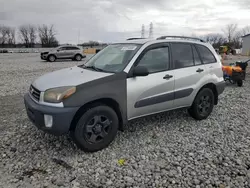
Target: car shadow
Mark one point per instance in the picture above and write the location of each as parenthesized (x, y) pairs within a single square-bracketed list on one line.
[(64, 144), (63, 60)]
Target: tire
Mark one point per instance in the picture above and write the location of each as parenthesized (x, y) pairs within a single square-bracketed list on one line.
[(92, 133), (240, 83), (51, 58), (203, 104), (78, 57)]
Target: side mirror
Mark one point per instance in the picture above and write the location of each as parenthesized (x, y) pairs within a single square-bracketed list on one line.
[(140, 71)]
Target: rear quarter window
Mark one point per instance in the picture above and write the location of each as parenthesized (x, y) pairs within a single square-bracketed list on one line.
[(206, 55)]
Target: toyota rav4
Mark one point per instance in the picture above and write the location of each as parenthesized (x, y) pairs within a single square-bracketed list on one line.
[(125, 81)]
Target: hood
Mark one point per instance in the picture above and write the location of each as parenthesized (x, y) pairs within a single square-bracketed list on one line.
[(67, 77), (45, 52)]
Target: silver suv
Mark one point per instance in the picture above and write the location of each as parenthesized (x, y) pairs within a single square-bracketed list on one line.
[(125, 81), (64, 52)]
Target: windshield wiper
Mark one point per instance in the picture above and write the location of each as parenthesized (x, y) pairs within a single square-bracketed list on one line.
[(93, 68)]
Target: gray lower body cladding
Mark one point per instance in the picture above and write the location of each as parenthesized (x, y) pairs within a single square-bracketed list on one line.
[(220, 87), (164, 98), (62, 117)]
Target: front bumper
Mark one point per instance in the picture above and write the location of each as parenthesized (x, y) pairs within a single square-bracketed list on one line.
[(44, 56), (220, 87), (62, 117)]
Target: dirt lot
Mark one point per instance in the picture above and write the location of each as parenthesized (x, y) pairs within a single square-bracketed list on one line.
[(165, 150)]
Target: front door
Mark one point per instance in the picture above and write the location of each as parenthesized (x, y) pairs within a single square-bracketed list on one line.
[(61, 52), (189, 73), (152, 93)]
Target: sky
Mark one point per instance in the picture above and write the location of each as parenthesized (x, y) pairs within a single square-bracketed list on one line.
[(115, 20)]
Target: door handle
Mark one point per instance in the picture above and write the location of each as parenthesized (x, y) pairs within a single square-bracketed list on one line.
[(199, 70), (168, 76)]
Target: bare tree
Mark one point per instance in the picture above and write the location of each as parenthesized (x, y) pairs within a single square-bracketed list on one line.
[(3, 34), (237, 40), (245, 31), (47, 35), (28, 34), (24, 36), (214, 39), (11, 36), (32, 34), (242, 32), (230, 31)]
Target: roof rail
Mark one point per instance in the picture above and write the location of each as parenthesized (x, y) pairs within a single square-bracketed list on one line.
[(181, 37), (135, 38)]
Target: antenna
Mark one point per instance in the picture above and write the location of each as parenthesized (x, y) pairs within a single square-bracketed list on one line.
[(143, 31), (151, 30)]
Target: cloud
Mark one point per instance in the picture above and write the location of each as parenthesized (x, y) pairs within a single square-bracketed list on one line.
[(113, 20)]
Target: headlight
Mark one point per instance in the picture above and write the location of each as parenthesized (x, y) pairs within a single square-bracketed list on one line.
[(56, 95)]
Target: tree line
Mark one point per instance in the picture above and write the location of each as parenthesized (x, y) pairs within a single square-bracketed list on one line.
[(231, 36), (29, 35), (45, 35)]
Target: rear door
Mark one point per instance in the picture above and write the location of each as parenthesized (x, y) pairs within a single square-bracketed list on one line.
[(189, 73), (74, 51), (69, 52), (155, 92), (212, 64)]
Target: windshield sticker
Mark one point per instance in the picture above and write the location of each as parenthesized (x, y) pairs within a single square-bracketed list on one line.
[(128, 48)]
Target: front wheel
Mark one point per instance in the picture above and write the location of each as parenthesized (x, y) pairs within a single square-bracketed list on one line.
[(203, 104), (96, 129), (52, 58)]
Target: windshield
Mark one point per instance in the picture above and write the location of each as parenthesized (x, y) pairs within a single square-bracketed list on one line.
[(113, 58)]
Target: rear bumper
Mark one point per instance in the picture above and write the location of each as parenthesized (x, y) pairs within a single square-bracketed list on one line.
[(62, 117), (220, 87)]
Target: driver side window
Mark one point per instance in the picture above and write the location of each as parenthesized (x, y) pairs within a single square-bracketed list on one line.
[(62, 49), (156, 59)]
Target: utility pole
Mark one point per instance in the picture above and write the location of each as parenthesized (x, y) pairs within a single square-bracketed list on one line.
[(151, 34), (143, 31), (78, 37)]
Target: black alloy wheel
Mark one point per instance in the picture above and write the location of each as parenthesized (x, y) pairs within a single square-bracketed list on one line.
[(96, 128), (203, 104)]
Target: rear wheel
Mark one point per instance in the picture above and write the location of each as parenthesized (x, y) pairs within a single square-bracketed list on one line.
[(96, 129), (78, 57), (203, 104)]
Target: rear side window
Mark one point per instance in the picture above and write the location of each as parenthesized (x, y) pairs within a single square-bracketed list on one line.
[(206, 55), (182, 55), (197, 60), (75, 48), (72, 48)]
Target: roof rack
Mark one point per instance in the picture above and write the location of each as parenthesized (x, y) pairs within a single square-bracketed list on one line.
[(135, 38), (180, 37)]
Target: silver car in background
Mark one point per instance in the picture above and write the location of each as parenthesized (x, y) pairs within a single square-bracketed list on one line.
[(64, 52)]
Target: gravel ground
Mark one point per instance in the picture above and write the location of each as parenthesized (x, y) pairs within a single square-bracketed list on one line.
[(165, 150)]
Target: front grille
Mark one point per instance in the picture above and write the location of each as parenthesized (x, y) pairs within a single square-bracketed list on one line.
[(35, 92)]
